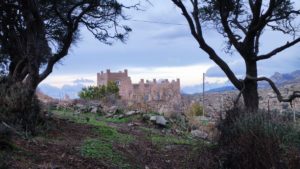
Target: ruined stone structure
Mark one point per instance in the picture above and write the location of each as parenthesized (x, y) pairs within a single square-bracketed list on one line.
[(142, 91)]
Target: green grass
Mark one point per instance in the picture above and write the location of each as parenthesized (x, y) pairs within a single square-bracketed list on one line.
[(168, 139), (147, 130), (111, 134), (118, 120), (101, 147), (106, 132), (95, 148), (82, 118), (158, 139), (128, 119)]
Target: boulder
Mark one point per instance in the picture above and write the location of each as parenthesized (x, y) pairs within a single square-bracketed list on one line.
[(119, 116), (199, 134), (109, 115), (81, 108), (112, 109), (94, 110), (153, 118), (159, 120), (130, 113), (146, 117), (133, 124)]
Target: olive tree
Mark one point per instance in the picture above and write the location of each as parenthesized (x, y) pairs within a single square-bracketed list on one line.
[(242, 24), (37, 34)]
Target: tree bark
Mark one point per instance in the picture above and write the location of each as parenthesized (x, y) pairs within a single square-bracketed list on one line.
[(250, 91), (19, 105)]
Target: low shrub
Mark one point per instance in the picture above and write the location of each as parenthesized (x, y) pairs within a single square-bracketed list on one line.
[(106, 92), (258, 140), (195, 110)]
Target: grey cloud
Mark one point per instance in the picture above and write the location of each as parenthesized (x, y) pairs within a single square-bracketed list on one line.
[(172, 34), (59, 93), (80, 81), (237, 67)]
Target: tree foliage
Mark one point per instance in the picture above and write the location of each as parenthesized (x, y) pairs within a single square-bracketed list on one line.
[(243, 23), (37, 34), (99, 92)]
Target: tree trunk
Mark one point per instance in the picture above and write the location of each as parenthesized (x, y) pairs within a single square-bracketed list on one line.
[(20, 106), (250, 93), (250, 96)]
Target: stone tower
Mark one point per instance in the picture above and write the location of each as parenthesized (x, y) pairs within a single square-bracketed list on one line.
[(142, 91)]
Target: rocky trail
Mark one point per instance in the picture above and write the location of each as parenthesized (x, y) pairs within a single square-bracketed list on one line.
[(90, 141)]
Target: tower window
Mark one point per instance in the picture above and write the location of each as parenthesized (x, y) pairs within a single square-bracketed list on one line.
[(118, 83)]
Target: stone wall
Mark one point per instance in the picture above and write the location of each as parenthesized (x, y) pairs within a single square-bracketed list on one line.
[(142, 91)]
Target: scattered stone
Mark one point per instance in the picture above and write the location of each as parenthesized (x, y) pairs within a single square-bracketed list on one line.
[(109, 115), (130, 113), (153, 118), (94, 110), (133, 124), (119, 116), (199, 134), (112, 109), (159, 120), (76, 113), (146, 117)]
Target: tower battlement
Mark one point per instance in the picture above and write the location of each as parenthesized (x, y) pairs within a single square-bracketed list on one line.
[(143, 90)]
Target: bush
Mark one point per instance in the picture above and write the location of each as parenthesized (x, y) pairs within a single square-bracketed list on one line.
[(258, 140), (111, 90), (195, 110)]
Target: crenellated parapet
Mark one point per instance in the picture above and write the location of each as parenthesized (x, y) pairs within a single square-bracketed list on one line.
[(143, 90)]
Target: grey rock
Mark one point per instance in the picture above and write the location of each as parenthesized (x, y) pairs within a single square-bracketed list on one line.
[(160, 120), (146, 117), (109, 115), (94, 110), (153, 118), (199, 134), (130, 113), (133, 124), (112, 109), (119, 116), (76, 113)]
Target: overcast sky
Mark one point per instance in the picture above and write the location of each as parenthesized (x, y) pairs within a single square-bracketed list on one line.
[(157, 50)]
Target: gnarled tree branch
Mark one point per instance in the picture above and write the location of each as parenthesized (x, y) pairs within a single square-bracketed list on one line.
[(277, 50), (280, 98), (197, 33)]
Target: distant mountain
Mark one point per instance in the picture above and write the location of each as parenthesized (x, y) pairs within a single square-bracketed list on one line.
[(280, 79), (286, 78), (222, 89), (51, 91), (70, 90), (209, 87), (59, 93)]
